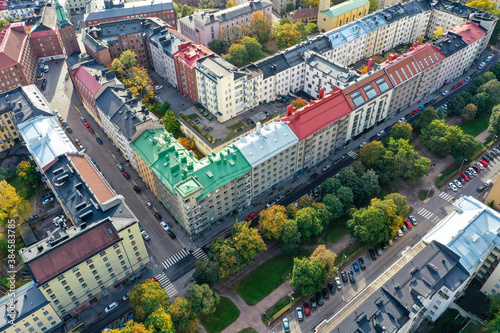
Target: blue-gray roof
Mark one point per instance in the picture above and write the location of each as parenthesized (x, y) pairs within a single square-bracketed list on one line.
[(449, 44), (130, 9)]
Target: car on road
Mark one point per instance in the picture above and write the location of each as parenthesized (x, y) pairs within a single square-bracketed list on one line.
[(154, 83), (307, 309), (300, 313), (251, 216), (363, 144), (157, 215), (413, 220), (280, 197), (158, 87), (171, 233), (120, 167), (48, 200), (126, 175), (338, 283), (126, 296), (344, 276), (136, 189), (319, 298), (86, 124), (111, 307), (44, 84), (331, 287), (414, 112), (344, 156), (77, 142), (484, 163), (46, 68), (326, 293), (464, 176), (378, 250), (314, 305), (326, 167), (481, 65), (286, 325), (314, 175), (446, 92), (149, 204), (33, 218), (467, 79), (164, 225), (355, 266), (489, 57), (387, 129), (362, 263), (82, 148), (145, 235), (269, 204), (98, 139), (352, 279), (408, 224), (480, 188), (379, 134), (372, 253), (401, 120)]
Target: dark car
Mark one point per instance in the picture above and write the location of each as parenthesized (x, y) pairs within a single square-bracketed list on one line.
[(98, 139), (473, 167), (33, 218), (486, 158), (378, 250), (480, 188), (373, 255), (171, 233), (126, 175), (362, 263), (387, 129), (136, 189), (314, 175), (319, 299), (158, 216), (314, 305), (44, 84), (326, 293), (344, 276), (355, 266), (331, 286), (352, 279)]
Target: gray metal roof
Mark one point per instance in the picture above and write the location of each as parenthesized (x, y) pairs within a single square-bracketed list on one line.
[(134, 8), (26, 102), (168, 40), (449, 44)]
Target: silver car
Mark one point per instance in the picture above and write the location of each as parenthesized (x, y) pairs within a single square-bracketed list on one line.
[(456, 182), (338, 283), (453, 187)]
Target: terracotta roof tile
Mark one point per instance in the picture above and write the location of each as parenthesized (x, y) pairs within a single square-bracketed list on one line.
[(94, 180), (470, 32)]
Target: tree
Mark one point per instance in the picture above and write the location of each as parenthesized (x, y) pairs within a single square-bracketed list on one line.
[(467, 97), (230, 4), (290, 237), (370, 179), (11, 204), (479, 81), (334, 205), (311, 27), (206, 272), (172, 124), (494, 122), (128, 59), (159, 321), (290, 7), (186, 10), (426, 117), (238, 55), (482, 101), (307, 275), (494, 325), (456, 104), (305, 201), (327, 260), (438, 32), (373, 5), (464, 148), (254, 49), (308, 223), (163, 108), (299, 103), (261, 26), (288, 34), (329, 186), (494, 304), (469, 112), (203, 300), (146, 298), (28, 174), (400, 201), (401, 131), (186, 142), (310, 3), (345, 196), (182, 315), (495, 69), (401, 160), (6, 173), (323, 213), (247, 241), (486, 5), (371, 153), (218, 46), (226, 256), (291, 209), (272, 220), (133, 327), (117, 67), (437, 138)]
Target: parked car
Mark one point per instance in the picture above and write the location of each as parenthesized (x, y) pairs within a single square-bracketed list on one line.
[(413, 220), (307, 309), (453, 187), (387, 129), (98, 139), (471, 170), (372, 253), (476, 168), (486, 158), (464, 176), (300, 313), (44, 84), (48, 200), (414, 112), (457, 183), (401, 120), (408, 224), (352, 279), (355, 266), (362, 263), (157, 215), (136, 189), (379, 134), (446, 92), (33, 218), (480, 165), (326, 293), (111, 307), (314, 305), (470, 175), (331, 286), (158, 87), (314, 175), (480, 188), (286, 325), (319, 298), (120, 167), (272, 203), (362, 144), (488, 183), (338, 283), (149, 204), (126, 175), (145, 235), (251, 216), (280, 197), (344, 276), (484, 163), (378, 250), (400, 233)]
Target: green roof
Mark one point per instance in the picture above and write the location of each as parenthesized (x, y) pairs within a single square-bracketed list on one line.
[(180, 171), (345, 7)]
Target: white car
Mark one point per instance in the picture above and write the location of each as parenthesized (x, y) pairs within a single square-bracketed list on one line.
[(471, 170), (158, 87), (481, 66), (361, 145), (453, 187), (111, 307), (479, 165), (48, 200), (326, 167), (446, 92), (82, 148), (489, 57), (379, 134), (46, 68), (402, 120), (269, 204), (400, 233), (145, 235), (457, 183), (338, 283), (164, 226)]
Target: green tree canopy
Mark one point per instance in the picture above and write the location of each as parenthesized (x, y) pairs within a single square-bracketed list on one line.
[(238, 55), (290, 237), (272, 220), (159, 321), (371, 153), (469, 112), (146, 298), (228, 258), (494, 122), (308, 223), (464, 148), (182, 315), (206, 272), (329, 186), (327, 260), (290, 7), (253, 47), (186, 11), (203, 300), (426, 117), (247, 241), (172, 124), (307, 275), (401, 131), (334, 205), (218, 46)]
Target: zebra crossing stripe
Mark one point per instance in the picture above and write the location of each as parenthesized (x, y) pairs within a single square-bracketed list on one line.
[(175, 258), (167, 285), (199, 254), (352, 154)]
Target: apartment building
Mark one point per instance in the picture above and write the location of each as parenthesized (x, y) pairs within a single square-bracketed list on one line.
[(73, 6), (186, 59), (100, 11), (271, 151), (333, 17), (224, 90), (204, 27), (18, 60), (303, 15), (164, 44), (456, 58), (94, 249), (30, 311), (473, 35), (199, 193), (321, 127), (370, 98)]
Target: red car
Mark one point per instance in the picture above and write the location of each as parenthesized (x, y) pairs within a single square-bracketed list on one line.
[(415, 112), (454, 87), (483, 162), (408, 224), (251, 216), (86, 124), (307, 309), (154, 279), (91, 130), (459, 84), (464, 176), (154, 83), (126, 175)]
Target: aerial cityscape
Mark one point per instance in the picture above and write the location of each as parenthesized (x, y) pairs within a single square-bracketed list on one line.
[(249, 166)]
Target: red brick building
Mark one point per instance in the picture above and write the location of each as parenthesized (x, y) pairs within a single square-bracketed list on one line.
[(18, 61), (186, 59)]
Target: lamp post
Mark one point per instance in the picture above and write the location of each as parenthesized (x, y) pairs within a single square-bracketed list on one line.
[(342, 262), (462, 164), (429, 192), (291, 299)]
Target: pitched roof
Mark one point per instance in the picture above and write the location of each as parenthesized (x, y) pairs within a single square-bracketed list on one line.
[(303, 13), (367, 88), (318, 114), (346, 7), (82, 247), (89, 82), (470, 32), (12, 40), (190, 52)]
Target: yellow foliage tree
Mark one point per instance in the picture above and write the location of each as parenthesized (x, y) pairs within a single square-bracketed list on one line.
[(247, 241), (438, 32), (133, 327), (12, 206), (272, 220), (327, 260), (363, 69), (146, 298), (486, 5), (261, 27), (138, 81), (230, 4), (299, 103), (159, 321)]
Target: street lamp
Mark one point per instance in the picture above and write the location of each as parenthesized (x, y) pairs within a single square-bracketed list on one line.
[(342, 261), (429, 192), (291, 299), (462, 164)]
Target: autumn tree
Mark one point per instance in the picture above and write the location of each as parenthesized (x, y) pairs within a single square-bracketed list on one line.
[(171, 123), (128, 59), (159, 321), (401, 131), (469, 112), (133, 327), (373, 5), (187, 143), (206, 272), (289, 34), (290, 237), (307, 275), (138, 81), (299, 103), (186, 11), (228, 258), (203, 300), (371, 153), (247, 241), (146, 298), (11, 204), (230, 4), (310, 3), (272, 220), (438, 32), (327, 260), (308, 223), (486, 5), (261, 26), (291, 209), (401, 203), (311, 27), (238, 55), (182, 315), (117, 67), (494, 121), (218, 46)]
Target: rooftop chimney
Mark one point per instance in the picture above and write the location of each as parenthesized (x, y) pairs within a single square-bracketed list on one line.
[(289, 110), (322, 91), (258, 128)]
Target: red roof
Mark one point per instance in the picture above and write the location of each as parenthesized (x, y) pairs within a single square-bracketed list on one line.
[(303, 13), (470, 32), (73, 252), (87, 80), (364, 84), (318, 114), (12, 40), (191, 52)]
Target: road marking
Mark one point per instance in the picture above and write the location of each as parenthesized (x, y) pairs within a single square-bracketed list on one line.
[(113, 155), (167, 285), (155, 209), (175, 258), (199, 254), (77, 109), (425, 213), (352, 154), (446, 196), (134, 182)]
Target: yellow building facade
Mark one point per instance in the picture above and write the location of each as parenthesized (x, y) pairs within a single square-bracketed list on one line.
[(8, 130), (333, 17)]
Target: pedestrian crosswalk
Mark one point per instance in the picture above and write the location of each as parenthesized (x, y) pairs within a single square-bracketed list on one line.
[(199, 254), (352, 154), (175, 258), (167, 285), (425, 213), (446, 196)]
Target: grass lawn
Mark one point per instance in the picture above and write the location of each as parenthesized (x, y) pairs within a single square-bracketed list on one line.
[(276, 308), (423, 194), (248, 330), (225, 314), (473, 327), (449, 322), (335, 230), (350, 252), (387, 189), (474, 127)]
